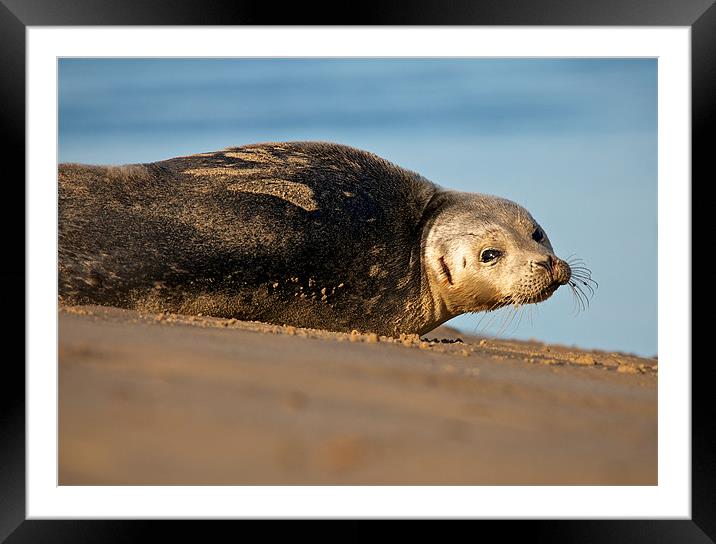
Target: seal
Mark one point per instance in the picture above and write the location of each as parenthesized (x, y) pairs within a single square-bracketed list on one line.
[(309, 234)]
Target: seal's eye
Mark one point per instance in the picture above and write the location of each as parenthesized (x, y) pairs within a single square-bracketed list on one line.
[(538, 235), (490, 255)]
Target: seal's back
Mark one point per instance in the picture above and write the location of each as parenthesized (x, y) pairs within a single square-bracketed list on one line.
[(304, 233)]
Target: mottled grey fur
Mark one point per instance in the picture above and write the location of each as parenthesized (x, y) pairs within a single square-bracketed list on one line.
[(307, 234)]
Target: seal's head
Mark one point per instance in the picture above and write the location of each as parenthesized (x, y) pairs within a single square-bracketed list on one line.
[(484, 252)]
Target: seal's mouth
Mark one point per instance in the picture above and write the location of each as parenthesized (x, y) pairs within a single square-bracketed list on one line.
[(552, 287), (547, 292), (539, 296), (528, 298)]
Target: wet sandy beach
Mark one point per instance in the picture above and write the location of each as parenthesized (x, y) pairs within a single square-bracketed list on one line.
[(166, 399)]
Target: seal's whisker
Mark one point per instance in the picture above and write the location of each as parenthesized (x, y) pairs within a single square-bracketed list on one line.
[(495, 304), (592, 282), (582, 298), (513, 323), (584, 284), (583, 294), (587, 282), (505, 315), (516, 318), (584, 274), (521, 313), (578, 304), (479, 322), (578, 298), (585, 279), (507, 320), (574, 302), (521, 310), (491, 320), (589, 288), (581, 271)]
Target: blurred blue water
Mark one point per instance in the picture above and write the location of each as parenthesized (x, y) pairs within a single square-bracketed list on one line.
[(573, 140)]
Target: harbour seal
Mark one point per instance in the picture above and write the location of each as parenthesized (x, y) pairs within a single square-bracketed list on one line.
[(308, 234)]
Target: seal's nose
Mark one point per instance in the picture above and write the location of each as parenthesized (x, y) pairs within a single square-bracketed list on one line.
[(560, 270)]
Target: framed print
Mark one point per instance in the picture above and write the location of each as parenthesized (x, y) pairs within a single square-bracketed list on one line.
[(580, 115)]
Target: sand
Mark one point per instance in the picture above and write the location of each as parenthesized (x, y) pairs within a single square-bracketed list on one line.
[(167, 399)]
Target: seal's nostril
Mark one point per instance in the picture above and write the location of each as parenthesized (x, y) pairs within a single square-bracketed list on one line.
[(546, 264)]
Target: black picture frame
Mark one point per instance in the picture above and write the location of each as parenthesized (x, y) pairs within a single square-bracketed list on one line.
[(16, 15)]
